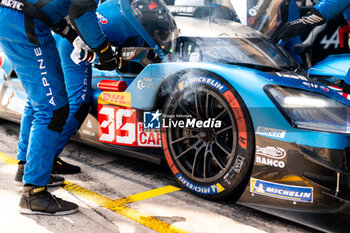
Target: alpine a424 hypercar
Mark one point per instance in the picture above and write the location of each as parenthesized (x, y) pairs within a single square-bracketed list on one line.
[(233, 115)]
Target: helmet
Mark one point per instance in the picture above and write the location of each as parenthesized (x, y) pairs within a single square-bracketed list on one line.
[(156, 19)]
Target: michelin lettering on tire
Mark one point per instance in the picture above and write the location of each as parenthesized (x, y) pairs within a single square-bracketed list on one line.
[(232, 178)]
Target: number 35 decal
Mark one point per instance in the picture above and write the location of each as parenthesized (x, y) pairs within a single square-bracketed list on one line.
[(117, 125)]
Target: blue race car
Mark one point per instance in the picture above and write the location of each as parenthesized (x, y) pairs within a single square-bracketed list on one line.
[(233, 115)]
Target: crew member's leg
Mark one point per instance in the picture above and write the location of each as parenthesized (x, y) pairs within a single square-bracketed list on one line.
[(22, 147), (26, 125), (38, 68), (78, 86), (31, 49)]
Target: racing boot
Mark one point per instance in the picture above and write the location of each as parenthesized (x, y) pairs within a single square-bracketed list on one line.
[(54, 180), (61, 167), (37, 200)]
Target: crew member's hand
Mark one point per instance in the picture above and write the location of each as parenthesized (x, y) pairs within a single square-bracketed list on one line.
[(299, 26), (108, 59), (82, 52)]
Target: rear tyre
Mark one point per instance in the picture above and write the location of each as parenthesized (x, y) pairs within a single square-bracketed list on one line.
[(211, 159)]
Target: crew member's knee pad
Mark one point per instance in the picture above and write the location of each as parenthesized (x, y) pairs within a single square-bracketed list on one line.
[(81, 114), (59, 118)]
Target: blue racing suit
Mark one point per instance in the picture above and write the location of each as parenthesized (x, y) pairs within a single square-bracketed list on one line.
[(293, 14), (78, 77), (331, 8), (30, 47)]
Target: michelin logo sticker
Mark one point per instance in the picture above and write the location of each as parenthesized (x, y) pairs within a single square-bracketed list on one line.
[(213, 189), (204, 80), (281, 191)]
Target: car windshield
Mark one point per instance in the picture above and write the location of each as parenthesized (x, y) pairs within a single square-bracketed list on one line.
[(262, 15), (253, 52), (219, 41)]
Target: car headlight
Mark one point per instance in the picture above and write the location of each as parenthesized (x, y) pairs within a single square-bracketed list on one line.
[(309, 110)]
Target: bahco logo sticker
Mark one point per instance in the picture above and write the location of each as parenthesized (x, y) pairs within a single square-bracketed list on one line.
[(271, 152)]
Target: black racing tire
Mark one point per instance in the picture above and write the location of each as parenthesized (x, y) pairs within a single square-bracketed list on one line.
[(214, 163)]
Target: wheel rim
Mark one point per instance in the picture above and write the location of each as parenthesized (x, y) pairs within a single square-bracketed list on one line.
[(203, 154)]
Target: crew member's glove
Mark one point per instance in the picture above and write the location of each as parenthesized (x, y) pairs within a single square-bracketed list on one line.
[(108, 59), (65, 30), (297, 27), (82, 52)]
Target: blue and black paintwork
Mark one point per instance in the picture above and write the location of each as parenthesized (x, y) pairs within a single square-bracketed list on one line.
[(316, 163)]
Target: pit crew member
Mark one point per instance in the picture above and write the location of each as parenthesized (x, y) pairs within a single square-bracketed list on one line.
[(77, 77), (27, 41), (323, 11)]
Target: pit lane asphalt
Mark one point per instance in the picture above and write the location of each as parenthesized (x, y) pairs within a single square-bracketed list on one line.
[(105, 192)]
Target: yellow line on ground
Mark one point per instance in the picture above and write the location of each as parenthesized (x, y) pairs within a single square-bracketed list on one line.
[(8, 159), (119, 208), (147, 194)]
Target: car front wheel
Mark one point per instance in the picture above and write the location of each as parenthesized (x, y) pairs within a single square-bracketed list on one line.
[(207, 136)]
